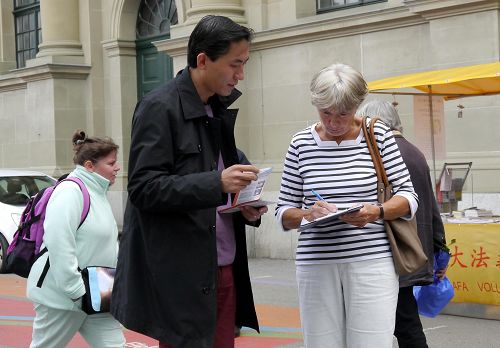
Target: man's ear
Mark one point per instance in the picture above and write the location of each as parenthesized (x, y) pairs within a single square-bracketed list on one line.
[(201, 60)]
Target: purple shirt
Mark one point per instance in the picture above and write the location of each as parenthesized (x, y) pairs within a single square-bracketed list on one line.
[(226, 244)]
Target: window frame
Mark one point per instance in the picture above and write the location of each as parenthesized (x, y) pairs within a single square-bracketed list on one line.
[(25, 10), (345, 6)]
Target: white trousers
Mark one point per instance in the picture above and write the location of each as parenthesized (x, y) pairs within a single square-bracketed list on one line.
[(54, 328), (348, 304)]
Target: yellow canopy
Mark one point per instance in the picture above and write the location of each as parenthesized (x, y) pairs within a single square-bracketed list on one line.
[(452, 83)]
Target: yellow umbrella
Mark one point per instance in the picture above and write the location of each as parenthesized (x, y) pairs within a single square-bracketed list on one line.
[(451, 83), (474, 80)]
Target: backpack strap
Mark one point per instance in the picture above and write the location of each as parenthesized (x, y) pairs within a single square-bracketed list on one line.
[(45, 269), (85, 212), (86, 197)]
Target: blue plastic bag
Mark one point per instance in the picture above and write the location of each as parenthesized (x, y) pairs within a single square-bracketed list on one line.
[(431, 299), (441, 260)]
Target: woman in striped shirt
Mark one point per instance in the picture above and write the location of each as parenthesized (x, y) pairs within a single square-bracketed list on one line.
[(347, 284)]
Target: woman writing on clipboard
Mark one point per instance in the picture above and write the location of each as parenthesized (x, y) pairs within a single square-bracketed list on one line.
[(348, 287)]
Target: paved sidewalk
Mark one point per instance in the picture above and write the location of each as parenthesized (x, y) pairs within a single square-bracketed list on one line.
[(275, 296)]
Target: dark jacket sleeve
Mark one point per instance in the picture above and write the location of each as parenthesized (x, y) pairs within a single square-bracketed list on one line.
[(242, 158), (438, 234), (155, 183), (439, 237)]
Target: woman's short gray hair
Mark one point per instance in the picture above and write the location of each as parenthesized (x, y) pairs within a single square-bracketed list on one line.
[(338, 86), (384, 110)]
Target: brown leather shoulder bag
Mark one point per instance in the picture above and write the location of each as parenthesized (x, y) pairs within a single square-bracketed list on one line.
[(407, 251)]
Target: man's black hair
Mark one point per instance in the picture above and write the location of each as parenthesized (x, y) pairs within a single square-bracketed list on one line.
[(213, 36)]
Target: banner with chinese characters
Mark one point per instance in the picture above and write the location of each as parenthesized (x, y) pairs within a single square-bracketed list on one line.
[(474, 267)]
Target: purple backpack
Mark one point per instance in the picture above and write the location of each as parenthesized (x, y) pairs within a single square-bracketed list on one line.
[(25, 247)]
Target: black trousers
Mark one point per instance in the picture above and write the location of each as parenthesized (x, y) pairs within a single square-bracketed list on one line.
[(408, 331)]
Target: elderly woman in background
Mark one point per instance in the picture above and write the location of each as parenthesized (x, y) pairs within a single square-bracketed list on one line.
[(409, 331), (347, 284)]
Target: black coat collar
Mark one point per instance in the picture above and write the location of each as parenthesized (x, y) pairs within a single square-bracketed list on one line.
[(191, 101)]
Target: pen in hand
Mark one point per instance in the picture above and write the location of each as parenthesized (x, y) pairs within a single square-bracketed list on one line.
[(317, 195), (320, 209)]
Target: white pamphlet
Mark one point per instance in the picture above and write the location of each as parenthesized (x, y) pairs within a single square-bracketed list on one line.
[(250, 195)]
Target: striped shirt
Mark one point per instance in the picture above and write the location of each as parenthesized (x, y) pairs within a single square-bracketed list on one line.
[(342, 174)]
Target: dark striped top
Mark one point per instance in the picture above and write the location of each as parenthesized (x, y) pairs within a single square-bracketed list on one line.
[(342, 174)]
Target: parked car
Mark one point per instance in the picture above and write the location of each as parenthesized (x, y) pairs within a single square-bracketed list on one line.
[(16, 187)]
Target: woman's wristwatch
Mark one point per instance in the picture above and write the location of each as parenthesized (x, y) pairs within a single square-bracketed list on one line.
[(381, 208)]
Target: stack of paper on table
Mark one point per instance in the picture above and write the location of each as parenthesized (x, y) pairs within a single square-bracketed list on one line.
[(474, 213)]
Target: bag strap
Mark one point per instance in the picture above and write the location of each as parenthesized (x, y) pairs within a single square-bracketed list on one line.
[(45, 269), (382, 181), (369, 144), (380, 162), (86, 197)]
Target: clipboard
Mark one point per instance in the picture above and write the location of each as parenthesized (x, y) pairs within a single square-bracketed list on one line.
[(330, 217)]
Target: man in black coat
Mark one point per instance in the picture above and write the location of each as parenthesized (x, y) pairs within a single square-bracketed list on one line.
[(182, 274), (408, 330)]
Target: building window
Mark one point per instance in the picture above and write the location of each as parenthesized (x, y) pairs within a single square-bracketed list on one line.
[(155, 18), (153, 23), (28, 30), (333, 5)]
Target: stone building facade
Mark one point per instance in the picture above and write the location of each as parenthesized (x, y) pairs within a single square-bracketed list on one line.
[(94, 58)]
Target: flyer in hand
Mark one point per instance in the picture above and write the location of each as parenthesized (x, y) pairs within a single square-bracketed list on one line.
[(330, 217), (250, 195)]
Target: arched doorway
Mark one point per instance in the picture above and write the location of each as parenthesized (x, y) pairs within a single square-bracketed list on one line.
[(153, 23)]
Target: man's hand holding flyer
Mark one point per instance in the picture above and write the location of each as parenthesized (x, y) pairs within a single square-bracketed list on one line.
[(251, 194)]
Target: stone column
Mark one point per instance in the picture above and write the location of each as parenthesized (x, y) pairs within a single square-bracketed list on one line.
[(229, 8), (60, 31), (7, 37)]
